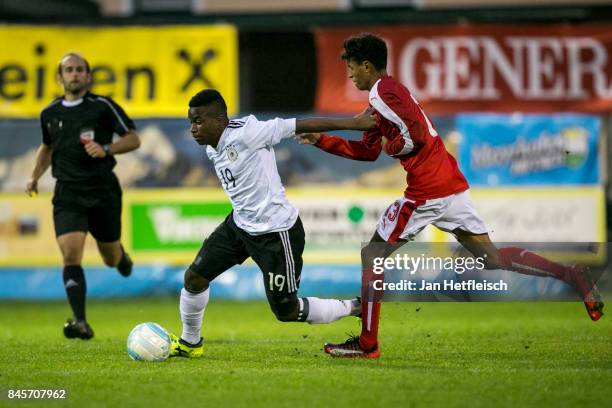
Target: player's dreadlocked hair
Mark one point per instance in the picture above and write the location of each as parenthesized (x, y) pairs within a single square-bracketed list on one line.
[(208, 97), (366, 47)]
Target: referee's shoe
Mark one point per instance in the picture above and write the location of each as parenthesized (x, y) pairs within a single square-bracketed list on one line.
[(78, 328), (125, 264)]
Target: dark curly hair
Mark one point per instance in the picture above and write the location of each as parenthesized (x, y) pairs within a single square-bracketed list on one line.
[(208, 97), (366, 47)]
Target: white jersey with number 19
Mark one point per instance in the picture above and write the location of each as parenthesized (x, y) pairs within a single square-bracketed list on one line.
[(246, 166)]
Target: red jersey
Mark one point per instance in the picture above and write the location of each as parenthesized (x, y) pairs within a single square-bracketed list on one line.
[(411, 138)]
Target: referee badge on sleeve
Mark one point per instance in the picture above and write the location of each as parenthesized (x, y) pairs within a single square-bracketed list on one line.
[(232, 153)]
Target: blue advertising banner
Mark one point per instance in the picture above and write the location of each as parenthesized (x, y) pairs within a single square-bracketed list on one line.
[(242, 282), (237, 283), (519, 149)]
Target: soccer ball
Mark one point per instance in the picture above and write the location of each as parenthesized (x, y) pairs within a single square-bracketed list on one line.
[(148, 342)]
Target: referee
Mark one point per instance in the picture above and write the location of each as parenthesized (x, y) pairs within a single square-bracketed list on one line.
[(77, 142)]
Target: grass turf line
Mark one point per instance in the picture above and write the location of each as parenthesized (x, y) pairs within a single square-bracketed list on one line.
[(444, 354)]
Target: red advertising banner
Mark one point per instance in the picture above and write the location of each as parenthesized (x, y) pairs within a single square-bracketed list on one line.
[(461, 68)]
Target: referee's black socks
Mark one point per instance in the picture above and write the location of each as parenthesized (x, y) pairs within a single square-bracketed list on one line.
[(76, 290)]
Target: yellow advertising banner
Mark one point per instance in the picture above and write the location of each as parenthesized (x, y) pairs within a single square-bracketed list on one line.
[(150, 71)]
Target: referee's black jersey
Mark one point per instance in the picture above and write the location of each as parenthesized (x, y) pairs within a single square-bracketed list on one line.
[(66, 124)]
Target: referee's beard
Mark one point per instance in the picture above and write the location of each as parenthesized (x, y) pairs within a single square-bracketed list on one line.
[(75, 88)]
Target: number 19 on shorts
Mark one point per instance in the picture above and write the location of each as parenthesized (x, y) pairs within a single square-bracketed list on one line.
[(276, 282)]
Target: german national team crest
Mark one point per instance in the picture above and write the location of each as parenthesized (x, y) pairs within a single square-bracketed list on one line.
[(232, 153)]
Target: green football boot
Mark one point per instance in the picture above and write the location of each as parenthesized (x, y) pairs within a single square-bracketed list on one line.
[(180, 348)]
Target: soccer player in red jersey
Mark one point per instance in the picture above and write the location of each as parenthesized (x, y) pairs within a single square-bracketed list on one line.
[(437, 191)]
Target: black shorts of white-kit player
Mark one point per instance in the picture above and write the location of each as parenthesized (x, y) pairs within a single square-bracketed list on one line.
[(277, 254)]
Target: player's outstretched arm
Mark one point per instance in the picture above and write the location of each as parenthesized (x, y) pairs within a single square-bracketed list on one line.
[(363, 121), (366, 149), (43, 161)]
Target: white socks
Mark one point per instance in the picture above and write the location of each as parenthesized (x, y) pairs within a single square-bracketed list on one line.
[(329, 310), (192, 307)]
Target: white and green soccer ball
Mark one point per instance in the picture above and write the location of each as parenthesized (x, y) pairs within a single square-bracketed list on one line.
[(148, 342)]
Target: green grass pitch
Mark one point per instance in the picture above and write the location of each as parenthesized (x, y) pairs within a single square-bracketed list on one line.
[(433, 354)]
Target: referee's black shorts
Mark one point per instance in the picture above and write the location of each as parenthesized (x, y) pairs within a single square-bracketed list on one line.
[(89, 207), (278, 255)]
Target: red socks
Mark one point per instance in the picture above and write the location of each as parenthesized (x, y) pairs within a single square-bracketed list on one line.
[(526, 262), (370, 310), (514, 259)]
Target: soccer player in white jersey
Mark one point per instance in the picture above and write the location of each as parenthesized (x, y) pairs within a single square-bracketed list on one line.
[(263, 224)]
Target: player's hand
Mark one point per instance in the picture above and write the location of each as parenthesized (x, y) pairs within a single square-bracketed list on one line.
[(366, 119), (32, 187), (308, 138), (384, 142), (95, 150)]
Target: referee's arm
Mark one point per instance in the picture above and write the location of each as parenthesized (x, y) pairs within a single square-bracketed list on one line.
[(128, 142), (43, 161)]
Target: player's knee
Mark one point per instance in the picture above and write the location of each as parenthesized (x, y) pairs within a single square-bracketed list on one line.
[(72, 257), (367, 255), (492, 262), (195, 282), (286, 308), (371, 253)]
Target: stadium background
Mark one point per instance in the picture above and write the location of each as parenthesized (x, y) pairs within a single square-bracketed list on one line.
[(525, 109), (521, 94)]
